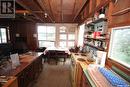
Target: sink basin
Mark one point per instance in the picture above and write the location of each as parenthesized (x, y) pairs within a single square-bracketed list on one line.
[(81, 59), (77, 54), (90, 60), (82, 54)]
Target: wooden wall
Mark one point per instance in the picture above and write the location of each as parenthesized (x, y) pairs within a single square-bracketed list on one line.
[(117, 17), (117, 14), (28, 29), (25, 29)]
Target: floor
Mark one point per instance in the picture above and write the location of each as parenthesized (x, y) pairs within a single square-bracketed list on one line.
[(55, 75)]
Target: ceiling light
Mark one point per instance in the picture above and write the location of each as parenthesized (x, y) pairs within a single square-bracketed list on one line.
[(24, 14), (45, 14)]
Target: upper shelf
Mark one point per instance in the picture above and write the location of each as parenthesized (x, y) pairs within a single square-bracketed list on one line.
[(99, 20), (98, 39), (96, 21), (93, 46)]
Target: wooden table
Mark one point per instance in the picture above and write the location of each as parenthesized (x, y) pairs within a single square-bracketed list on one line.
[(56, 53)]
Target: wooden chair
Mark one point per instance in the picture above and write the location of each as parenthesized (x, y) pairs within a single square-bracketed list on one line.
[(51, 54), (61, 54)]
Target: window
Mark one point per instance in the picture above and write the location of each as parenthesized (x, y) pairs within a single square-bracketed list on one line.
[(63, 44), (71, 36), (67, 39), (46, 36), (63, 40), (81, 34), (71, 40), (62, 29), (58, 35), (120, 45), (63, 36), (3, 35), (71, 43)]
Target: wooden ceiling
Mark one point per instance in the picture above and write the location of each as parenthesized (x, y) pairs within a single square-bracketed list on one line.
[(58, 11)]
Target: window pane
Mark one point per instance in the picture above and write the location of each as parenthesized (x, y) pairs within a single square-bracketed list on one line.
[(51, 37), (71, 36), (51, 29), (63, 36), (81, 35), (71, 44), (62, 29), (0, 39), (46, 44), (41, 36), (42, 29), (3, 34), (62, 43)]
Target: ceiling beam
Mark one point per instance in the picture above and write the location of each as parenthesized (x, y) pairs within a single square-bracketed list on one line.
[(43, 9), (51, 10), (79, 11), (62, 11), (30, 10), (74, 7), (22, 11)]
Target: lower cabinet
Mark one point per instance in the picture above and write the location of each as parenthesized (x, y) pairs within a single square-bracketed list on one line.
[(30, 73), (84, 82)]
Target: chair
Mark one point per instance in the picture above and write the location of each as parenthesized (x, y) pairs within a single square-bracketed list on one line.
[(51, 54), (40, 49), (61, 54)]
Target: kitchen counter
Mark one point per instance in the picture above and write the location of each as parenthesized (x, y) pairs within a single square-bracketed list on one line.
[(8, 81), (83, 69), (79, 65), (84, 60), (28, 70)]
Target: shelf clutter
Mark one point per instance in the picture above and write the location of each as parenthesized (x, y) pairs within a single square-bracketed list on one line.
[(95, 35)]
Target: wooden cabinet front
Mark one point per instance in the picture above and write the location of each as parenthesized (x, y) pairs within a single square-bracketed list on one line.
[(30, 73), (85, 82)]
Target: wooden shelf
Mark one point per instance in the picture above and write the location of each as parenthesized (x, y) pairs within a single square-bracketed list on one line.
[(89, 31), (96, 21), (99, 20), (93, 46), (102, 4), (90, 24), (98, 39)]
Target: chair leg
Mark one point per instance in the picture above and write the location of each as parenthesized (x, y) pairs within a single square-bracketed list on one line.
[(64, 59)]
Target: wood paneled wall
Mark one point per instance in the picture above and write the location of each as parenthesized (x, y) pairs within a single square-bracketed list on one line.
[(25, 29), (117, 14), (28, 29), (117, 17)]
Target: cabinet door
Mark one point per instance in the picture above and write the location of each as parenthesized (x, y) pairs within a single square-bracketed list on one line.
[(21, 80), (84, 82), (79, 75)]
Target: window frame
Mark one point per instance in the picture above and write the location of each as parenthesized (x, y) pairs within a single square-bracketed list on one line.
[(46, 33), (111, 45), (7, 36)]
